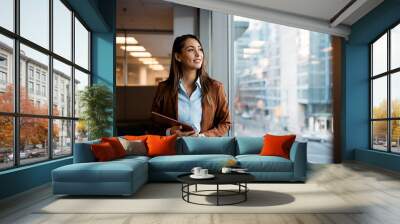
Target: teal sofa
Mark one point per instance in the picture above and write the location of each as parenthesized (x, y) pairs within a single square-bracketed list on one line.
[(125, 176)]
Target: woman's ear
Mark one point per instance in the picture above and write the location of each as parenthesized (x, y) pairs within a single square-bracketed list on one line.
[(177, 57)]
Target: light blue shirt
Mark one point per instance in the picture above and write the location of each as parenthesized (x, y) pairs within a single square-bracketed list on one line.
[(190, 108)]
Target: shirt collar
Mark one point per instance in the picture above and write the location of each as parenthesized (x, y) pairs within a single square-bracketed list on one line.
[(198, 83)]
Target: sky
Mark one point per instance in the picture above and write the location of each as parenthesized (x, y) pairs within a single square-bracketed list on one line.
[(35, 27)]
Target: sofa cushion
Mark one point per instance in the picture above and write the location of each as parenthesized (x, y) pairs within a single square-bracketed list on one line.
[(134, 147), (111, 171), (209, 145), (185, 163), (83, 152), (248, 145), (257, 163)]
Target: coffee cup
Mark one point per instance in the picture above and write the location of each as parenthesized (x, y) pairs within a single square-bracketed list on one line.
[(203, 172), (196, 170), (226, 170)]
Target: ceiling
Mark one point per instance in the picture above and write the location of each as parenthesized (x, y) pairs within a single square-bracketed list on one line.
[(314, 15), (150, 22), (152, 15)]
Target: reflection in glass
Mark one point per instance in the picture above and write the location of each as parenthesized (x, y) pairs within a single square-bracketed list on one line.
[(283, 86), (81, 81), (6, 74), (34, 96), (395, 47), (81, 131), (6, 142), (7, 14), (62, 89), (34, 21), (81, 45), (62, 29), (33, 139), (62, 138), (379, 56), (379, 98), (395, 138), (395, 94), (379, 135)]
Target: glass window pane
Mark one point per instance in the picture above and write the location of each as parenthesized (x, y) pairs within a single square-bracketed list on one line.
[(379, 55), (35, 21), (395, 47), (379, 135), (33, 139), (81, 45), (7, 14), (395, 138), (62, 29), (62, 89), (395, 94), (34, 96), (81, 131), (6, 142), (62, 138), (379, 98), (6, 74), (81, 81), (283, 86)]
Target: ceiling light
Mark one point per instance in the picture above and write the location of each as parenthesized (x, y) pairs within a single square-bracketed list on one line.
[(129, 40), (148, 61), (133, 48), (144, 54), (157, 67)]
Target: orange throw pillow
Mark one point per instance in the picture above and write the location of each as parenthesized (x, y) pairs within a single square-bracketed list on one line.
[(134, 138), (116, 145), (161, 145), (277, 145), (103, 152)]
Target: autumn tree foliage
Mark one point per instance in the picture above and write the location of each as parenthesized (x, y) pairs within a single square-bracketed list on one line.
[(33, 131), (380, 127)]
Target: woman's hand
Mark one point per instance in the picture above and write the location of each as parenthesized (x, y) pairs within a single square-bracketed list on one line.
[(176, 130)]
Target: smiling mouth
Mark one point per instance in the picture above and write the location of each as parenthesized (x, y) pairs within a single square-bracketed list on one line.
[(197, 60)]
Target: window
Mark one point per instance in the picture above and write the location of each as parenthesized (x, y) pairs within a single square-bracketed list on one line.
[(7, 14), (278, 70), (45, 131), (385, 97), (81, 45)]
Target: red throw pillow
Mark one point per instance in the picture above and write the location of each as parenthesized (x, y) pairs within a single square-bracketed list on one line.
[(161, 145), (116, 145), (103, 151), (277, 145)]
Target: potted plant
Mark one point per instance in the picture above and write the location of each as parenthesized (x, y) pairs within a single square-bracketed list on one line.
[(96, 103)]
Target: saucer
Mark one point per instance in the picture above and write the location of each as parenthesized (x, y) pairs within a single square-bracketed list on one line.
[(208, 176)]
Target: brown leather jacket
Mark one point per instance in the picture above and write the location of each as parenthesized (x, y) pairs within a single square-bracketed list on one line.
[(215, 120)]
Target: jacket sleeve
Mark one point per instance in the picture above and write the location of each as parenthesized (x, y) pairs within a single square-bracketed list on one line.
[(222, 119), (157, 105)]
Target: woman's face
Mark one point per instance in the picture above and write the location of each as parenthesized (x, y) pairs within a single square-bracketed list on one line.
[(191, 55)]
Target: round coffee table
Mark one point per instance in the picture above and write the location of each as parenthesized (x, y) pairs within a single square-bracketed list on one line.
[(238, 179)]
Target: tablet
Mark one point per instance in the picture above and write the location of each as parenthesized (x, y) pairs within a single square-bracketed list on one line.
[(162, 119)]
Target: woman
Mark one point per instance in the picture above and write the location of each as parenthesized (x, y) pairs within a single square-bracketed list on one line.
[(190, 95)]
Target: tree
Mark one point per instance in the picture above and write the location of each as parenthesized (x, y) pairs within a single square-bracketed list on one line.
[(33, 130), (380, 127)]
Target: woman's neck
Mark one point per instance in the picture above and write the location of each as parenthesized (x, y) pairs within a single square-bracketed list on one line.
[(189, 77)]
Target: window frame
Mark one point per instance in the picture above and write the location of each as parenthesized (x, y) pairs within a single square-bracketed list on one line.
[(388, 74), (16, 114)]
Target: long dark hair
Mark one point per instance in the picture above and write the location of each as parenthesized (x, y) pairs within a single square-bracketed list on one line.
[(175, 72)]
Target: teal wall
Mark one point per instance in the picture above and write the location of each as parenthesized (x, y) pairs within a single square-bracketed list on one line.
[(99, 15), (356, 102)]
